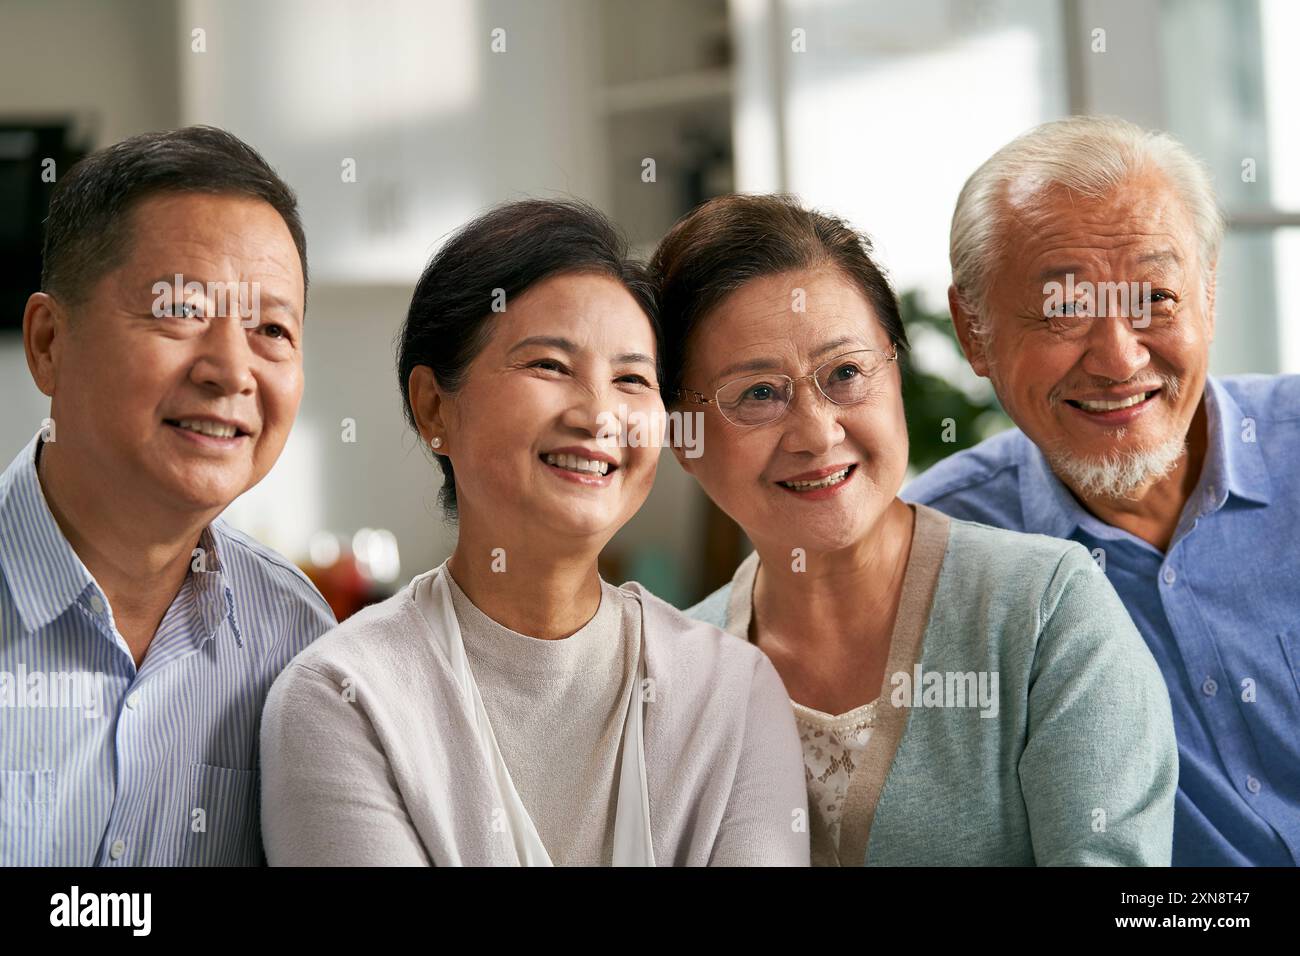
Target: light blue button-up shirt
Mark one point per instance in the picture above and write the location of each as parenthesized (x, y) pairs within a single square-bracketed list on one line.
[(1220, 610), (103, 764)]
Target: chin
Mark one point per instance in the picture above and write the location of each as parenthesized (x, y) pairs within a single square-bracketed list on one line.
[(825, 533), (204, 492), (570, 519)]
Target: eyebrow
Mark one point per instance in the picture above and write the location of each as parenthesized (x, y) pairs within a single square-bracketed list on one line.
[(569, 346), (1161, 257), (1158, 257), (769, 364), (1056, 272)]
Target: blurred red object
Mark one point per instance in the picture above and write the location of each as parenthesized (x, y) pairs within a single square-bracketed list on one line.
[(344, 586)]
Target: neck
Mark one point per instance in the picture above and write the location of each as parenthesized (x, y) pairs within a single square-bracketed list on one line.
[(138, 555), (860, 583), (529, 586), (1152, 512)]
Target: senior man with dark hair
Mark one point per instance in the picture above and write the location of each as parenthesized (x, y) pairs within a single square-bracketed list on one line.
[(1083, 258), (139, 633)]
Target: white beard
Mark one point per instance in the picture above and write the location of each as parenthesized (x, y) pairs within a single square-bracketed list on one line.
[(1120, 474)]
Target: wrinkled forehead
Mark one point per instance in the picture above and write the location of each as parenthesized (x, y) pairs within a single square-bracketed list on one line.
[(1140, 225)]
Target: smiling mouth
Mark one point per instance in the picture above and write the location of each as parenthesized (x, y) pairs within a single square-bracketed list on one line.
[(1103, 406), (576, 463), (209, 428), (829, 481)]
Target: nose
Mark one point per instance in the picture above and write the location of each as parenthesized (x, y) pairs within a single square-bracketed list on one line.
[(590, 411), (1115, 350), (225, 361), (812, 422)]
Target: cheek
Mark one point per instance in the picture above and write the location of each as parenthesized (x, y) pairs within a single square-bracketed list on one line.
[(642, 464), (280, 387), (121, 380), (487, 461), (1030, 371), (732, 462), (882, 435), (1182, 349), (479, 413)]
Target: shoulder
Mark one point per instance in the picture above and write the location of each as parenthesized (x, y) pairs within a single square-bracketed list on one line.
[(1270, 397), (1012, 583), (985, 551), (377, 640), (696, 650), (251, 564), (980, 483)]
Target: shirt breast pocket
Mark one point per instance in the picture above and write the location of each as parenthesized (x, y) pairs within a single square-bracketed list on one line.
[(222, 827), (26, 817)]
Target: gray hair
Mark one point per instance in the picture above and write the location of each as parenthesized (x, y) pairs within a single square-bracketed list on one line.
[(1090, 155)]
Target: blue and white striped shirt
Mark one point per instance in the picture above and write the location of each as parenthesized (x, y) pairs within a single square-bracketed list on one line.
[(103, 764)]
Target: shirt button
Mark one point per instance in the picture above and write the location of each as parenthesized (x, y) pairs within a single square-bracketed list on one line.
[(133, 700), (117, 849), (1210, 688), (1252, 785), (1169, 576), (96, 604)]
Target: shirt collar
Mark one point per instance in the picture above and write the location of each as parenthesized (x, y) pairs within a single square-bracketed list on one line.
[(216, 599), (1233, 465), (45, 575), (1233, 461)]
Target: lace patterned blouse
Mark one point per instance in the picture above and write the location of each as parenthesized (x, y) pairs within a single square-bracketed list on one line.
[(834, 749)]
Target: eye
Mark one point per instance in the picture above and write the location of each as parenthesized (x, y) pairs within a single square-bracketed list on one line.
[(186, 310), (846, 372), (280, 331), (634, 379), (549, 365), (760, 393)]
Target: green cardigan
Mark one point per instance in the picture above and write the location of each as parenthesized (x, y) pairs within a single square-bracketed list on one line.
[(1078, 766)]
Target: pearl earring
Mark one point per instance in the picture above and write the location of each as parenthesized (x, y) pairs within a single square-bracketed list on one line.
[(437, 442)]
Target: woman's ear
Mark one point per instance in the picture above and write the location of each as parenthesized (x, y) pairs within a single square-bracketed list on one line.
[(428, 406), (686, 451)]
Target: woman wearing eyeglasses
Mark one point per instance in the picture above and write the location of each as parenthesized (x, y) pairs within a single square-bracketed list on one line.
[(509, 706), (964, 695)]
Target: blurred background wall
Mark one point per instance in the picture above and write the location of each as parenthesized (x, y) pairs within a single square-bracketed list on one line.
[(875, 110)]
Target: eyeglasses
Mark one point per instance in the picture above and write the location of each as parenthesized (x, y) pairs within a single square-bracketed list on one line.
[(764, 397)]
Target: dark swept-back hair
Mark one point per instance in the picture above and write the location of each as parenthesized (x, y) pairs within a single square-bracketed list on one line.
[(504, 252), (726, 242), (87, 233)]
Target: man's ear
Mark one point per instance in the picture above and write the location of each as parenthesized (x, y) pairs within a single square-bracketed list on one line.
[(429, 406), (45, 327), (965, 324), (1210, 286)]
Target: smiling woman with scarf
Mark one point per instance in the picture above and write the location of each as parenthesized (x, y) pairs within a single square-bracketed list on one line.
[(510, 706)]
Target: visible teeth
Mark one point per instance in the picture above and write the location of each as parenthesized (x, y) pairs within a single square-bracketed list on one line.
[(826, 482), (1112, 406), (574, 463), (208, 428)]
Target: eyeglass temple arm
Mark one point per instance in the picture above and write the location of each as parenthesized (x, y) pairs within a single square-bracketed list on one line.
[(694, 397)]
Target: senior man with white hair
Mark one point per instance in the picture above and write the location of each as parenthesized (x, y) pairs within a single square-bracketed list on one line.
[(1083, 258)]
